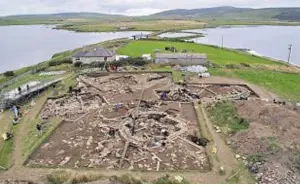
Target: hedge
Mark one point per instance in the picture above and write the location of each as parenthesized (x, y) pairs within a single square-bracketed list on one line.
[(60, 61)]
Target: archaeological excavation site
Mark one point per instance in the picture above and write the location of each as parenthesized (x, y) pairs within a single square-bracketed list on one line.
[(133, 121)]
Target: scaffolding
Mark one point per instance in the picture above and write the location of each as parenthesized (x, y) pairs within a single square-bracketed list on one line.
[(7, 99)]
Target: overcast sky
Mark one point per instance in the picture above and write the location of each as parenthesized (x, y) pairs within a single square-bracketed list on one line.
[(127, 7)]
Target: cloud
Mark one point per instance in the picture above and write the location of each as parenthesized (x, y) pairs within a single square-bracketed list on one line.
[(127, 7)]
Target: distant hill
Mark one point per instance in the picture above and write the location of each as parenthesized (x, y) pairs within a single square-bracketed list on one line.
[(69, 15), (224, 12), (228, 12)]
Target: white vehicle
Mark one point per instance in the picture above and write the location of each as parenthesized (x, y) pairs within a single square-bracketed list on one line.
[(147, 57), (204, 75)]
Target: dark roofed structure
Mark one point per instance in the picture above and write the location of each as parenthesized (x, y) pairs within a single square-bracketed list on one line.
[(97, 54)]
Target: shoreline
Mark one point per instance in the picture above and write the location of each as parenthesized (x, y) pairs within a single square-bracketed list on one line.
[(244, 51), (253, 52)]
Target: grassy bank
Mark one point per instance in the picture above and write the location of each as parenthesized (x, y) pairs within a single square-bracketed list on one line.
[(6, 22), (6, 147), (220, 22), (5, 153), (215, 54)]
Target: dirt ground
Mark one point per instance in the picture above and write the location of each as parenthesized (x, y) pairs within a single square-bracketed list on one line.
[(132, 103), (117, 102), (84, 138), (274, 136), (263, 93)]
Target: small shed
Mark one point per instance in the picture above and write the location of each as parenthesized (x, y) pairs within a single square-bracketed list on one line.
[(181, 58), (97, 54)]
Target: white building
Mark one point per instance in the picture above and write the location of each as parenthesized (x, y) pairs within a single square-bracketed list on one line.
[(95, 55)]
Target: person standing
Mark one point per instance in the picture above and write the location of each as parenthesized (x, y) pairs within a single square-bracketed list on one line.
[(15, 111), (39, 129), (164, 96), (19, 111), (19, 90), (118, 106)]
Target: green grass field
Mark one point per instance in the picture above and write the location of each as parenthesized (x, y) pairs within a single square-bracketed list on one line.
[(143, 25), (215, 54)]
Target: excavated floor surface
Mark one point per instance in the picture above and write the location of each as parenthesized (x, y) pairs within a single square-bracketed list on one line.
[(119, 103), (119, 121)]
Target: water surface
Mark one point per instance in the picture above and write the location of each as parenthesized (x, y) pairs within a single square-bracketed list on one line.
[(22, 46), (270, 41)]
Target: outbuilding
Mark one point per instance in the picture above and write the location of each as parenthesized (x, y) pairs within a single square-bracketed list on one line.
[(140, 36), (181, 58), (97, 54)]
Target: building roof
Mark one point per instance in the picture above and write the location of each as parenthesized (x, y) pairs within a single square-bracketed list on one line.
[(96, 52), (181, 55)]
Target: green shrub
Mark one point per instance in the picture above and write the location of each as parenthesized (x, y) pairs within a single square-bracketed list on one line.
[(125, 179), (96, 64), (60, 61), (131, 61), (77, 64), (296, 160), (40, 69), (245, 65), (168, 180), (71, 177), (258, 157), (214, 65), (62, 54), (232, 66), (137, 61), (9, 73)]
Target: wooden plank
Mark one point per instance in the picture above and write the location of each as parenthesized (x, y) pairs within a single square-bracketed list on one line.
[(124, 152), (191, 143), (210, 91)]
